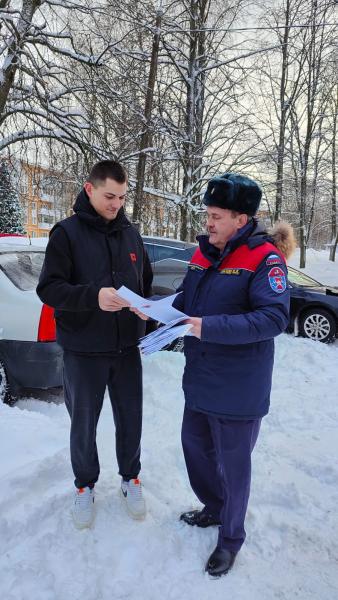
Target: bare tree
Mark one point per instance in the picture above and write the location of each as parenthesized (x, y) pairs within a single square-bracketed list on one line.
[(201, 86), (39, 50), (307, 116)]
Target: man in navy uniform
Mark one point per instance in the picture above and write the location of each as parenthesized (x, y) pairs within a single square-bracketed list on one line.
[(237, 293)]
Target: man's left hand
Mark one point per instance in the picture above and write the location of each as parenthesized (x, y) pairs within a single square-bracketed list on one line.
[(196, 323), (139, 313)]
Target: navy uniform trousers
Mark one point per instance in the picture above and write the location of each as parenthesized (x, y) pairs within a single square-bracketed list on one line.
[(85, 378), (217, 453)]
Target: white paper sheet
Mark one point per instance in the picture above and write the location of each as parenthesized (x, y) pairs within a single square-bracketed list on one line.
[(159, 310)]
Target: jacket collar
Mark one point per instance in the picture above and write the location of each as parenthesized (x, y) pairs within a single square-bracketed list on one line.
[(86, 212), (253, 234)]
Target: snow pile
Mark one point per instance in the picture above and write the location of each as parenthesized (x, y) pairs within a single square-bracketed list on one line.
[(291, 549)]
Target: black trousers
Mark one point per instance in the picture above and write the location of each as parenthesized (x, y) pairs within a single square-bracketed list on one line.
[(217, 454), (85, 379)]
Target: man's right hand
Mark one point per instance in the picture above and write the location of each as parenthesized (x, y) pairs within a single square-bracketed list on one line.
[(109, 300)]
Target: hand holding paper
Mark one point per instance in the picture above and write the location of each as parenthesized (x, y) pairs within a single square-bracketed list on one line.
[(139, 313), (110, 301), (160, 310), (195, 326)]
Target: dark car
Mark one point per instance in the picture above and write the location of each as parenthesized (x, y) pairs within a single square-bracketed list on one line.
[(169, 259), (314, 306)]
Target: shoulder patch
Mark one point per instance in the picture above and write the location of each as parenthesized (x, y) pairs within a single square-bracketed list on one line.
[(273, 259), (277, 280)]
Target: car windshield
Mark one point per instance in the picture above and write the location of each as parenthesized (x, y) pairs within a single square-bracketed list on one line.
[(22, 268), (301, 279), (188, 253), (159, 252)]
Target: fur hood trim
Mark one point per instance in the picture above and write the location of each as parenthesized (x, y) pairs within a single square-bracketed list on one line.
[(283, 237)]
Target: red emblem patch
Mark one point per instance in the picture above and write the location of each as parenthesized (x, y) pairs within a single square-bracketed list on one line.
[(277, 280), (133, 256)]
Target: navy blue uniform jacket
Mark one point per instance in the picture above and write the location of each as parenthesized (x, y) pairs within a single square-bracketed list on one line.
[(243, 299)]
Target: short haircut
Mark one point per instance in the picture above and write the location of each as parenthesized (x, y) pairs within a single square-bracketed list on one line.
[(107, 169)]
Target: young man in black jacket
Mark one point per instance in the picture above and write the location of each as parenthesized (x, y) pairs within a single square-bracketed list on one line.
[(88, 257)]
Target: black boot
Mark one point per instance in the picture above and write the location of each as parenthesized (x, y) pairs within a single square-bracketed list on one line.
[(220, 562), (199, 518)]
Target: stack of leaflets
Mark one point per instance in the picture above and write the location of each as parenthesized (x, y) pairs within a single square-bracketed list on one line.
[(163, 336), (162, 311)]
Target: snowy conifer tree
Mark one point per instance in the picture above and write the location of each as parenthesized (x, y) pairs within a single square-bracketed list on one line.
[(10, 209)]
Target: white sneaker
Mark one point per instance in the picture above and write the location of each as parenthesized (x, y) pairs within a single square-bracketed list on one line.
[(131, 491), (83, 507)]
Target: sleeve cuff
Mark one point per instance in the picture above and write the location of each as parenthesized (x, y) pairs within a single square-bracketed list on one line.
[(93, 296)]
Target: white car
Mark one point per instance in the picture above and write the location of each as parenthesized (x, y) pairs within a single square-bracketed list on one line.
[(29, 354)]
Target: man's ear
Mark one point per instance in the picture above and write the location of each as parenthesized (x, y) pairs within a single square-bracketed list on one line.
[(242, 219), (88, 188)]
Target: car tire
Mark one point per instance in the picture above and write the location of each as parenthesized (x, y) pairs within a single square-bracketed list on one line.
[(319, 325), (5, 394)]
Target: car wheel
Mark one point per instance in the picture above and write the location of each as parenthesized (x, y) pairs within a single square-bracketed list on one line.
[(318, 324), (5, 394)]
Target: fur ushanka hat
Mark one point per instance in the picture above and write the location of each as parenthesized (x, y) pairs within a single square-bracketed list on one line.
[(235, 192)]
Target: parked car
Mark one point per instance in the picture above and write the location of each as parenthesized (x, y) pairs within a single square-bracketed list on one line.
[(169, 259), (29, 355), (314, 306)]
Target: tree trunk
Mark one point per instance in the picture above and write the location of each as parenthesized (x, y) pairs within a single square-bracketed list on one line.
[(184, 222), (146, 134), (194, 112), (334, 233), (12, 59), (283, 118)]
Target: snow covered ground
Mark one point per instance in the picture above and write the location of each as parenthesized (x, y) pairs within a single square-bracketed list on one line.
[(318, 266), (292, 524)]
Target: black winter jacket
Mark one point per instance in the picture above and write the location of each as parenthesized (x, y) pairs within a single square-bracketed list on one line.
[(84, 253)]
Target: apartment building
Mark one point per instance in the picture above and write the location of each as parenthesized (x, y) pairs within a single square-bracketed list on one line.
[(46, 197)]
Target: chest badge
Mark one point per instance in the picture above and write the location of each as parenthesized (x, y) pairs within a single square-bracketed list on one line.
[(133, 256), (230, 271)]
